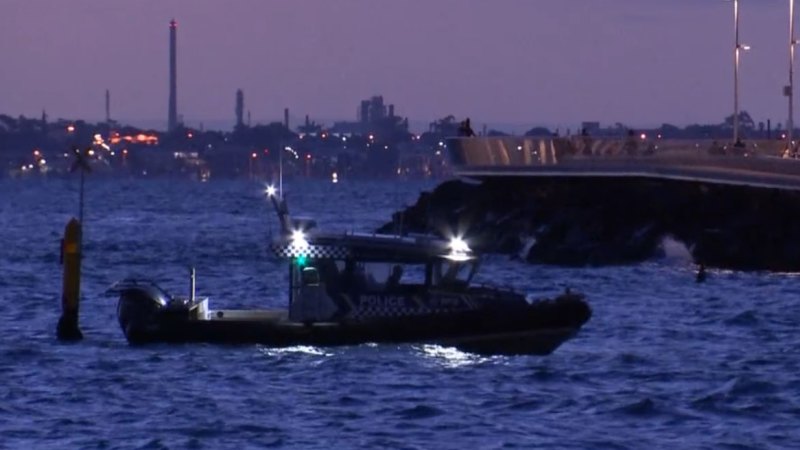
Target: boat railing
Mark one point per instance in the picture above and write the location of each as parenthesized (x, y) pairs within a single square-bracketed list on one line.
[(495, 288)]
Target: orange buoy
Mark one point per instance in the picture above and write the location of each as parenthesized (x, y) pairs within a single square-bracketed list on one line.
[(68, 329)]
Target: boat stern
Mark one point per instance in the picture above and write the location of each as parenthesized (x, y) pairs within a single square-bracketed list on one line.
[(143, 307)]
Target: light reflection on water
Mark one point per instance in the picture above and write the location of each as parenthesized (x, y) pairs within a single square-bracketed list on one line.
[(450, 357), (297, 349)]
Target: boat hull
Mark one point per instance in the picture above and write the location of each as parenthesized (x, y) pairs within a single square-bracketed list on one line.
[(537, 328)]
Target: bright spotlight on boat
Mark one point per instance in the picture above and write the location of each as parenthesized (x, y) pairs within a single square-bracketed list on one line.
[(458, 245), (299, 239), (271, 190)]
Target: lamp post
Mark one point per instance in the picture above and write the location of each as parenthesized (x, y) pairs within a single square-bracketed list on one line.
[(253, 157), (738, 47), (789, 91), (736, 51)]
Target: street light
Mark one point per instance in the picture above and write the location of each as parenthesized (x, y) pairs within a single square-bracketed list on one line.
[(737, 50), (789, 91)]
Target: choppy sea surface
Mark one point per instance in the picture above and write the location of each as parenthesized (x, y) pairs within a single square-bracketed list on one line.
[(664, 362)]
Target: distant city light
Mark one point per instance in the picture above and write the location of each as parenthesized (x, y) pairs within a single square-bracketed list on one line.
[(254, 155), (70, 128), (643, 136), (140, 138), (189, 135), (441, 144)]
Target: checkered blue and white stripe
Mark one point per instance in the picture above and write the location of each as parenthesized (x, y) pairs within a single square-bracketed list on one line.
[(312, 251)]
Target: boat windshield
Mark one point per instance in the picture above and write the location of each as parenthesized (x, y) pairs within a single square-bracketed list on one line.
[(454, 273)]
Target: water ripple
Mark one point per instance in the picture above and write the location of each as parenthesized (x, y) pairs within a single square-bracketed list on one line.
[(664, 362)]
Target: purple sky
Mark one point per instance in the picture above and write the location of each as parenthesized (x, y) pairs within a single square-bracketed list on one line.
[(551, 62)]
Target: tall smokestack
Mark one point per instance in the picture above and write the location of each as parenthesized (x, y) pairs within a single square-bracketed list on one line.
[(172, 121), (108, 107), (286, 118), (240, 109)]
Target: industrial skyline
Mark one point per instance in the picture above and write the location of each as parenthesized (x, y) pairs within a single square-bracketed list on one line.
[(637, 62)]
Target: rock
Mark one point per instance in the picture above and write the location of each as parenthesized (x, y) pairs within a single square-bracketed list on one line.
[(602, 221)]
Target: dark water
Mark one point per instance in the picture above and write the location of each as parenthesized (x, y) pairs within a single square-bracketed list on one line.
[(664, 362)]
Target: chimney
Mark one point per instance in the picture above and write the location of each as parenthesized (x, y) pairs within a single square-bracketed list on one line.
[(172, 120), (240, 109), (108, 107)]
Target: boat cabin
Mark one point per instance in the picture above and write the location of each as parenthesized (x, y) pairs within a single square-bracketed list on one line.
[(336, 277)]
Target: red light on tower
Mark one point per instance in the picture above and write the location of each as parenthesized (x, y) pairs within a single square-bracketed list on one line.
[(173, 24)]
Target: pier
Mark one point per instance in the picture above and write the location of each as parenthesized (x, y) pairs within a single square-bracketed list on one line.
[(756, 164)]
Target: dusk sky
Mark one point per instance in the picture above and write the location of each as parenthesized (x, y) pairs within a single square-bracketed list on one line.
[(526, 62)]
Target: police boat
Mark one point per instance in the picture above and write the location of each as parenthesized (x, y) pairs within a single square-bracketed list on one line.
[(350, 288)]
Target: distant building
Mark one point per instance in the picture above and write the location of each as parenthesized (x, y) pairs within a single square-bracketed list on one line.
[(374, 117), (374, 110)]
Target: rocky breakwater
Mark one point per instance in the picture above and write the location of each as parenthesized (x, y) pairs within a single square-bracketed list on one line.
[(605, 221)]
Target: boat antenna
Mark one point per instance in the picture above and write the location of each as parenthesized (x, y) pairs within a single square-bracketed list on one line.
[(280, 172), (281, 209)]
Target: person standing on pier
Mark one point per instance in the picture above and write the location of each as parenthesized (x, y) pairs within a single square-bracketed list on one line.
[(631, 146), (587, 142), (465, 130)]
